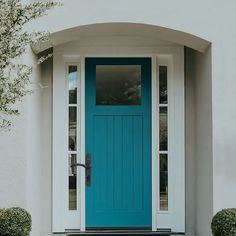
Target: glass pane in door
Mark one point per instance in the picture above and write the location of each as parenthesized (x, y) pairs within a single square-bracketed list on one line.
[(118, 84)]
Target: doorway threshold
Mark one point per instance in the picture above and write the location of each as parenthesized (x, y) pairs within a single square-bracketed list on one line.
[(124, 233)]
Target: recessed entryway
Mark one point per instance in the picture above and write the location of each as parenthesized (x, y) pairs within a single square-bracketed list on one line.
[(123, 115)]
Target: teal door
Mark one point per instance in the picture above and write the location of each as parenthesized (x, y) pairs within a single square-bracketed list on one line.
[(118, 139)]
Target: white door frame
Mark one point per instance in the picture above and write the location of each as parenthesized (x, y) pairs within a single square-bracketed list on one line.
[(173, 57)]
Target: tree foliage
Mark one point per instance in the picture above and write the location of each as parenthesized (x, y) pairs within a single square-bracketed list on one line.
[(14, 39)]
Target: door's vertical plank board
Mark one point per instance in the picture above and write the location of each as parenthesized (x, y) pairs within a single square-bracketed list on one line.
[(118, 162), (127, 163), (109, 163), (138, 170), (99, 162)]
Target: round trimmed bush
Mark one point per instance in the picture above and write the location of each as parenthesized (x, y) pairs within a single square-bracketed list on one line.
[(15, 221), (224, 223)]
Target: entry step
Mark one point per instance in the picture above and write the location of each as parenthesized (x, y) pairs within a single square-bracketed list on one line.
[(124, 233)]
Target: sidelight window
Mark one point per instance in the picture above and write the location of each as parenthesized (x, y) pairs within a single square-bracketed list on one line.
[(72, 135), (163, 138)]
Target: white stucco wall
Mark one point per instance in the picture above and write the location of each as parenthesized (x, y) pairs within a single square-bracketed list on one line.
[(14, 150), (26, 152), (13, 163), (199, 156), (190, 142), (203, 148), (39, 177), (224, 114)]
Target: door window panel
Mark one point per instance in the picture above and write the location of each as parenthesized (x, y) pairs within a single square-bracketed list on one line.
[(118, 84)]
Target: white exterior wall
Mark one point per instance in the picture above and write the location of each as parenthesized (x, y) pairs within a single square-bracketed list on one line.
[(190, 142), (39, 151), (203, 144), (224, 114), (26, 157), (25, 152), (199, 160), (13, 163)]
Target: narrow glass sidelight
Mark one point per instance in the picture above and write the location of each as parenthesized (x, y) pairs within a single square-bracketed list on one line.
[(72, 129), (73, 84), (163, 139), (163, 128), (72, 81), (72, 182), (163, 182), (163, 98)]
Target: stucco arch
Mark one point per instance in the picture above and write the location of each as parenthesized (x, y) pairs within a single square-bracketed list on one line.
[(124, 29)]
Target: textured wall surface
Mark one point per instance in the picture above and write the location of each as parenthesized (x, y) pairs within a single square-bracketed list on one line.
[(199, 156), (25, 152)]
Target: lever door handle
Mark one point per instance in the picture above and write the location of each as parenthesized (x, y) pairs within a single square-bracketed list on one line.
[(79, 164), (87, 167)]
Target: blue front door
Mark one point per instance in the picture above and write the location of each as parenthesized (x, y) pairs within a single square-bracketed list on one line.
[(118, 139)]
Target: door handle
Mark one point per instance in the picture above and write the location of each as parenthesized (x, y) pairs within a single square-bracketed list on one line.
[(79, 164), (87, 167)]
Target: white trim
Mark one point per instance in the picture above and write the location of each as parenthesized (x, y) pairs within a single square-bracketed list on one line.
[(174, 218), (178, 149), (82, 147), (73, 215), (175, 58), (163, 105), (63, 218), (154, 142), (163, 152), (59, 128)]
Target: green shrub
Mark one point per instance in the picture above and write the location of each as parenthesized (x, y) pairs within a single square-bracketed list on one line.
[(224, 223), (15, 221)]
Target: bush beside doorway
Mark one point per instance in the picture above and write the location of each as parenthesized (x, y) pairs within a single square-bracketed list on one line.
[(15, 221)]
